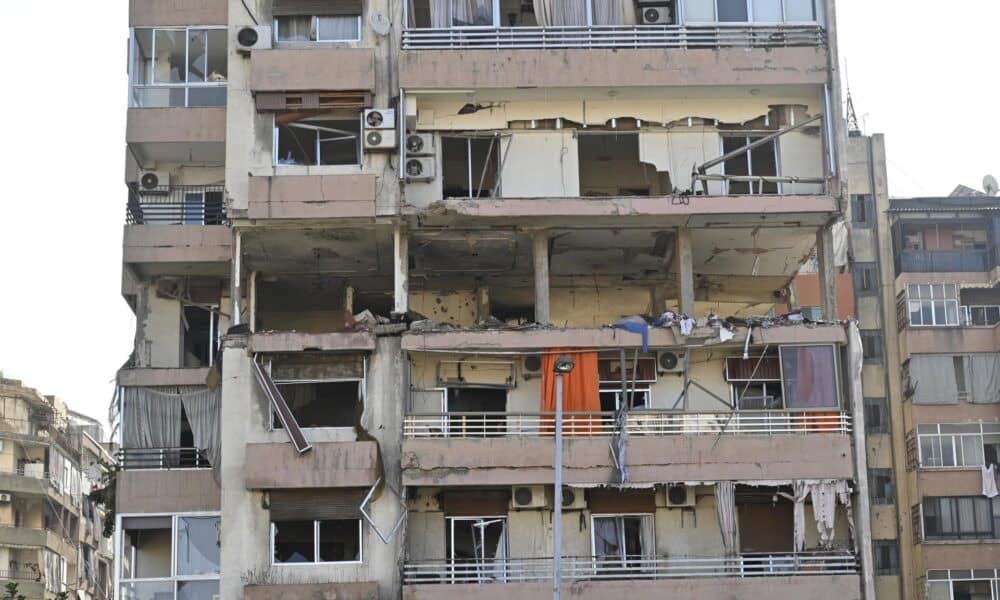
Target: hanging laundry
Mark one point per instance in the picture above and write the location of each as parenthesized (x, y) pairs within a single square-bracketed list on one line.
[(990, 481), (635, 324), (687, 324)]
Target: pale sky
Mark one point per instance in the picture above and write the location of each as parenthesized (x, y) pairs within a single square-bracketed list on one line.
[(923, 73)]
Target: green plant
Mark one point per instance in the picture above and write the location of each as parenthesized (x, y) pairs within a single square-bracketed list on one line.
[(10, 592), (105, 496), (62, 596)]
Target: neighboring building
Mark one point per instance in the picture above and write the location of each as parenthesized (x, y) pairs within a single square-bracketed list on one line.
[(50, 535), (359, 233)]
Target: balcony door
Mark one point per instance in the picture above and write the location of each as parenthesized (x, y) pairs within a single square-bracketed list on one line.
[(477, 549)]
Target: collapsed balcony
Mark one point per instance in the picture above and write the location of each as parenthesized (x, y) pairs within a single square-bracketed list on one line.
[(601, 24)]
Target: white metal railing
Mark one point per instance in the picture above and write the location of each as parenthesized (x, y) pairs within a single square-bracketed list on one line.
[(617, 36), (638, 422), (518, 570)]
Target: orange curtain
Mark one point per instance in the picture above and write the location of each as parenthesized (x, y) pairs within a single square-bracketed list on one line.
[(581, 391)]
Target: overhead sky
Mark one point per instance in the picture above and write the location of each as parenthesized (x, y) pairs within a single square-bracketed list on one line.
[(923, 73)]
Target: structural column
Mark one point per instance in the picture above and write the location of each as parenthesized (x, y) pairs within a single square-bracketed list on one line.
[(540, 245), (684, 256), (401, 271), (827, 273)]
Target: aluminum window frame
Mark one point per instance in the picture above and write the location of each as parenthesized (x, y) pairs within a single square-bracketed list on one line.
[(952, 576), (314, 29), (316, 542), (651, 551), (749, 138), (362, 393), (360, 155), (922, 302), (958, 533), (837, 374), (450, 525), (119, 544), (957, 448), (186, 85)]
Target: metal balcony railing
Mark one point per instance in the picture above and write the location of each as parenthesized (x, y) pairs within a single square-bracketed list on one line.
[(518, 570), (176, 205), (638, 422), (942, 261), (20, 575), (617, 36), (162, 458)]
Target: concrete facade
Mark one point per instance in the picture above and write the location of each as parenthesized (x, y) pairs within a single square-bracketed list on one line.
[(367, 351)]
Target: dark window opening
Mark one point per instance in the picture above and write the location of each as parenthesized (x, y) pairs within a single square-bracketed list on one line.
[(476, 400), (971, 590), (862, 210), (881, 485), (470, 167), (199, 336), (294, 542), (886, 553), (339, 541), (319, 142), (761, 161), (766, 522), (609, 165), (476, 538), (876, 415), (322, 404), (871, 346)]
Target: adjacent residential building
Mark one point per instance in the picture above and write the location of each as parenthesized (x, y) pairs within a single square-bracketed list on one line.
[(50, 533), (360, 237)]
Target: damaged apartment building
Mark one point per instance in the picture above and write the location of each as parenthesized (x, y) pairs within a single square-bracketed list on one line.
[(362, 238)]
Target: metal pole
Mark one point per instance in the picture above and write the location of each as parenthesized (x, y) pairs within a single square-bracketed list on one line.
[(557, 494)]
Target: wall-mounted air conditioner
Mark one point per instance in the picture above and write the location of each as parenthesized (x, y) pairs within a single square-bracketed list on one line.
[(420, 144), (379, 140), (380, 118), (420, 168), (154, 181), (5, 498), (669, 362), (680, 496), (527, 496), (253, 37), (573, 499), (532, 366), (660, 14)]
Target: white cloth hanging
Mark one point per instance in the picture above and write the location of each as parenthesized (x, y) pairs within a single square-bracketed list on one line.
[(824, 503), (990, 481)]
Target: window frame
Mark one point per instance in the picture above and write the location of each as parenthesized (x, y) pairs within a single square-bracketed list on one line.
[(316, 543), (623, 558), (966, 315), (362, 397), (749, 138), (893, 568), (498, 156), (186, 85), (450, 532), (836, 379), (957, 532), (276, 132), (881, 405), (119, 542), (862, 205), (750, 15), (924, 303), (877, 498), (957, 447), (314, 27)]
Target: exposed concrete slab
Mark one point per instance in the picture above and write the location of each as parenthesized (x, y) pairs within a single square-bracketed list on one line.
[(291, 341), (948, 340), (192, 135), (950, 482), (163, 490), (330, 464), (476, 69), (158, 377), (161, 13), (327, 69), (312, 196), (177, 244), (367, 590), (842, 587), (520, 461)]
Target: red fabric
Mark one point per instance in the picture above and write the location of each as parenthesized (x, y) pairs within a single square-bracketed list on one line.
[(581, 391)]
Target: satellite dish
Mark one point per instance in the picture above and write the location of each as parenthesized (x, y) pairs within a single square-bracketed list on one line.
[(379, 22), (990, 185)]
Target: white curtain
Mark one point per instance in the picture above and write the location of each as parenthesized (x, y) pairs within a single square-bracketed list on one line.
[(337, 28), (614, 12), (472, 13), (152, 419), (558, 13), (934, 379), (725, 508), (800, 491), (824, 505), (202, 409), (983, 370)]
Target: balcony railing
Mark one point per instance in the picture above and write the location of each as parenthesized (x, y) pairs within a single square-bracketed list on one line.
[(638, 422), (176, 205), (517, 570), (942, 261), (617, 36), (162, 458), (178, 95), (20, 575)]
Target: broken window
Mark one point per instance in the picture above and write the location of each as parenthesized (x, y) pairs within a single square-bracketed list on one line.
[(317, 28), (176, 67), (317, 141), (322, 403), (471, 166), (171, 557), (476, 402), (610, 165), (200, 335), (765, 517), (477, 547), (761, 161), (755, 383), (620, 542), (638, 380), (316, 541)]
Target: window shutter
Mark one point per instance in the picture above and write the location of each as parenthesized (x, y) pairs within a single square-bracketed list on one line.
[(282, 8), (739, 369), (912, 456), (298, 505), (915, 518)]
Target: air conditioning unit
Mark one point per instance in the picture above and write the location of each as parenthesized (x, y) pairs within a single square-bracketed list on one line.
[(380, 118), (5, 498), (420, 168), (680, 496), (669, 362), (154, 181), (573, 499), (253, 37), (531, 366), (420, 144), (527, 496), (380, 140), (657, 15)]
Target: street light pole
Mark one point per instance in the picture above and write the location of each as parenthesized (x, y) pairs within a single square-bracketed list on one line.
[(563, 366)]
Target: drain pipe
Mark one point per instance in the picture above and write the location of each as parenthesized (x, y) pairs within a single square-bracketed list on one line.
[(563, 366)]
